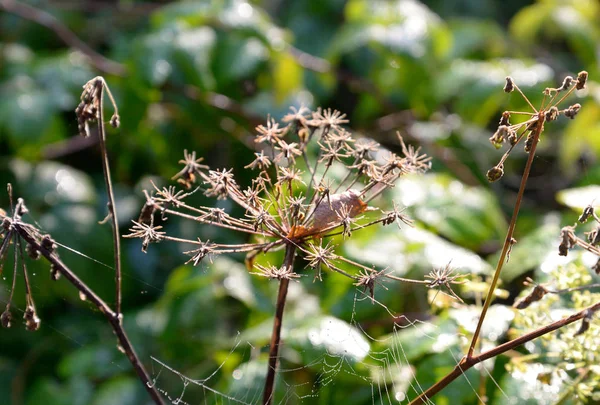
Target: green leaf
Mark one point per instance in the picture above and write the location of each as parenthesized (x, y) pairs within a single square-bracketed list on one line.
[(287, 76), (580, 197), (93, 361), (467, 216)]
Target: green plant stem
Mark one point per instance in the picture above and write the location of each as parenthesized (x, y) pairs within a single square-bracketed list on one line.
[(468, 362), (290, 252), (509, 235)]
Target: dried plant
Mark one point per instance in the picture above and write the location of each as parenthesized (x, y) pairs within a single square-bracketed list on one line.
[(528, 132), (293, 204)]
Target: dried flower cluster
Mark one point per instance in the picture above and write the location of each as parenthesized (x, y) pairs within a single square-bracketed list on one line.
[(531, 128), (10, 235), (292, 201), (568, 240), (90, 108)]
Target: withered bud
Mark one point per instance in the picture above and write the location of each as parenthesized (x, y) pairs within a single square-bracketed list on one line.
[(48, 243), (504, 119), (534, 296), (6, 318), (586, 214), (510, 85), (495, 173), (512, 138), (529, 142), (568, 240), (32, 322), (32, 252), (581, 80), (585, 322), (552, 113), (21, 208), (500, 135), (572, 111), (566, 84), (115, 122), (594, 236), (54, 273)]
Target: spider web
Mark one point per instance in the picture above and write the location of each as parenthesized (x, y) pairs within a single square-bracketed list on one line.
[(339, 352)]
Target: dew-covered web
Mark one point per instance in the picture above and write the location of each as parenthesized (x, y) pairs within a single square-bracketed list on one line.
[(348, 353), (339, 354)]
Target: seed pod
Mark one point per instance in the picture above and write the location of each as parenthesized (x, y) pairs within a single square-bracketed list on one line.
[(529, 142), (572, 111), (581, 80), (586, 214), (534, 296), (32, 252), (566, 84), (495, 173), (114, 121), (504, 119), (32, 322), (500, 135), (552, 113), (568, 240), (510, 85), (48, 243), (585, 322), (6, 318)]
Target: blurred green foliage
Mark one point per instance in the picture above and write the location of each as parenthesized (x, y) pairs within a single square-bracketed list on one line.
[(200, 75)]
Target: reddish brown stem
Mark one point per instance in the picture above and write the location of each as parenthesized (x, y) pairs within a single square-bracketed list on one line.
[(511, 229), (114, 318), (468, 362), (290, 251)]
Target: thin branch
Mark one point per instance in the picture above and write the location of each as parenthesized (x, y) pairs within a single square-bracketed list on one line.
[(511, 229), (468, 362), (109, 190), (290, 252), (114, 318)]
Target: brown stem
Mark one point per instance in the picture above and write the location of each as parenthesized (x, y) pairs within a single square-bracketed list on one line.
[(114, 318), (111, 198), (511, 229), (468, 362), (290, 251)]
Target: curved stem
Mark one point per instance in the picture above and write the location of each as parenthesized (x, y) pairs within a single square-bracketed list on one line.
[(511, 229), (290, 251)]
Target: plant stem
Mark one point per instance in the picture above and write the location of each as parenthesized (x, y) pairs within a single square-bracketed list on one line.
[(468, 362), (111, 198), (511, 229), (114, 318), (290, 251)]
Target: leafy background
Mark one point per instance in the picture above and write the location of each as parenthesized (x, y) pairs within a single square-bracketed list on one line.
[(201, 75)]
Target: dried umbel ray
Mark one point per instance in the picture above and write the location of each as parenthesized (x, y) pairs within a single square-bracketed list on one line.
[(292, 200)]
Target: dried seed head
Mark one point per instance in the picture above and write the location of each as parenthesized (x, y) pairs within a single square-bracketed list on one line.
[(500, 135), (585, 322), (586, 214), (552, 113), (572, 111), (6, 318), (566, 84), (536, 295), (581, 80), (568, 240), (32, 322), (115, 122), (510, 85), (596, 267), (594, 236), (495, 173), (54, 273), (32, 252), (48, 243), (529, 142), (504, 119)]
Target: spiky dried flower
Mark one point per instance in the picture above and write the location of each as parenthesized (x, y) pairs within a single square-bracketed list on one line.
[(292, 201), (445, 276)]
